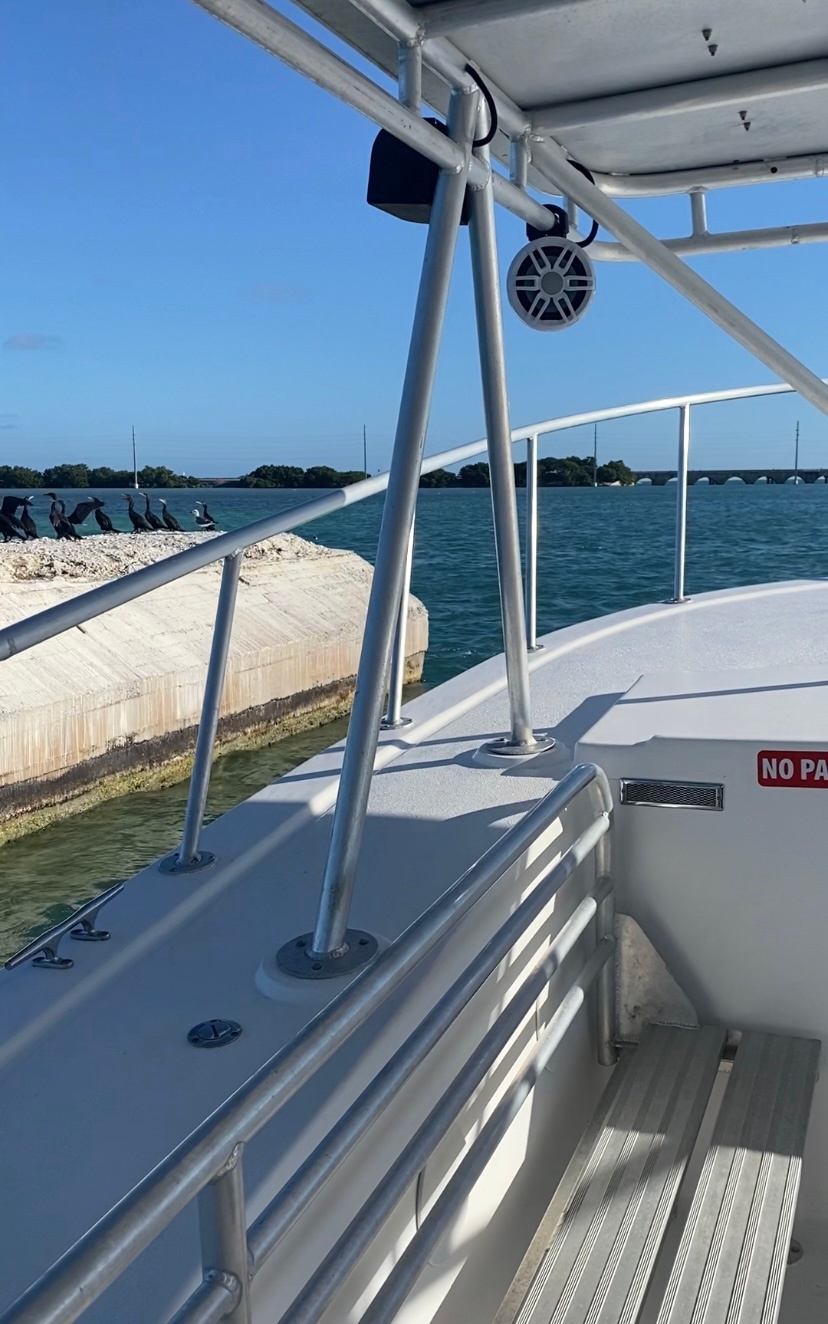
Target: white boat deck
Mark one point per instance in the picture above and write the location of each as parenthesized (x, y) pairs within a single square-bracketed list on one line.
[(97, 1077)]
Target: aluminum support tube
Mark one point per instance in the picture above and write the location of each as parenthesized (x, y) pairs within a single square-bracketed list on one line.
[(552, 161), (357, 1237), (392, 1295), (85, 1271), (223, 1226), (681, 503), (306, 1183), (188, 855), (707, 243), (393, 718), (329, 938), (410, 74), (605, 928), (496, 405), (531, 545), (663, 183), (698, 213)]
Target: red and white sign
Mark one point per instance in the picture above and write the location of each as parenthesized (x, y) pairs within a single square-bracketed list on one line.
[(793, 767)]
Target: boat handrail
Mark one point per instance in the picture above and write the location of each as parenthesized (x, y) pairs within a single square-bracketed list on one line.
[(55, 620), (208, 1163), (52, 621)]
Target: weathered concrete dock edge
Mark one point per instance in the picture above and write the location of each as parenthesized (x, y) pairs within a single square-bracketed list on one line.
[(115, 704)]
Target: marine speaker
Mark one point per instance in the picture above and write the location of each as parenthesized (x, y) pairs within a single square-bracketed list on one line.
[(550, 283)]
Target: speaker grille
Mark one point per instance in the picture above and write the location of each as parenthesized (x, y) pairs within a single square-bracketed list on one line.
[(672, 795)]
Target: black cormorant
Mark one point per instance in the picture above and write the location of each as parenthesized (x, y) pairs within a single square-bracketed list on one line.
[(204, 521), (10, 530), (26, 520), (9, 508), (58, 520), (150, 516), (84, 509), (170, 520), (139, 524), (104, 522)]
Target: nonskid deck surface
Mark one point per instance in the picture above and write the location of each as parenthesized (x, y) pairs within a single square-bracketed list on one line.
[(96, 1061), (595, 1251)]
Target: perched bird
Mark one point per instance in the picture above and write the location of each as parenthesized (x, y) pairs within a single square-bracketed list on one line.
[(84, 509), (29, 526), (170, 520), (104, 522), (58, 520), (139, 524), (9, 508), (205, 520), (10, 530), (149, 515)]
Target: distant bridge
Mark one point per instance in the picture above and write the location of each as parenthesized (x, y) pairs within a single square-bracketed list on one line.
[(658, 477)]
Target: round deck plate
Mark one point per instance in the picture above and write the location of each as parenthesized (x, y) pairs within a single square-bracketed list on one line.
[(216, 1033), (297, 957)]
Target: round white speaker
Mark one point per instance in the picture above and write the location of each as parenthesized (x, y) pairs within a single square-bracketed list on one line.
[(550, 283)]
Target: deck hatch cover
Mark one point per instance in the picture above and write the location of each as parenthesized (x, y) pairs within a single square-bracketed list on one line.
[(672, 795)]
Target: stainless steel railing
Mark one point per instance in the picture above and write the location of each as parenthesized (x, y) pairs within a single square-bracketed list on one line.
[(55, 620), (208, 1165)]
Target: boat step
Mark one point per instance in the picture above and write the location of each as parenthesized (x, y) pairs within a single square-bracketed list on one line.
[(593, 1256), (730, 1265)]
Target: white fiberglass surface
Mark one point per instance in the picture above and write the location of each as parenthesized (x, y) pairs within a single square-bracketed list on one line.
[(96, 1061)]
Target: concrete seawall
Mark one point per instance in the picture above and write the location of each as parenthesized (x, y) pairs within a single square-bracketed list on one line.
[(121, 695)]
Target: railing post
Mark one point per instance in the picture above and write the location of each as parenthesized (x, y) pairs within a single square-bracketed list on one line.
[(223, 1227), (521, 739), (393, 718), (681, 503), (331, 950), (531, 545), (605, 928), (188, 855)]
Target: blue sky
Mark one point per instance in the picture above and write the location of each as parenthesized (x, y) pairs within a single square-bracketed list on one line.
[(187, 249)]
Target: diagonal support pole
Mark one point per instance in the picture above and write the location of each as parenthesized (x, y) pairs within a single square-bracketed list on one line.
[(329, 951), (521, 740)]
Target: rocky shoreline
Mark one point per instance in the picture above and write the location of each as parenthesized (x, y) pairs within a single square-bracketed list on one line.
[(108, 555)]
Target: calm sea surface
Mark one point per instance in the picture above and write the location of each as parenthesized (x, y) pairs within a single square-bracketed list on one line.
[(599, 551)]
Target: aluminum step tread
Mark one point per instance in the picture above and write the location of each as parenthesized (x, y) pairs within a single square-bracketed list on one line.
[(593, 1255), (730, 1265)]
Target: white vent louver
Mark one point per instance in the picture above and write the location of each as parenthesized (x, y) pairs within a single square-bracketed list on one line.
[(672, 795)]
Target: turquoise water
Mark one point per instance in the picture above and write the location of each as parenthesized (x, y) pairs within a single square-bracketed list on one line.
[(599, 551)]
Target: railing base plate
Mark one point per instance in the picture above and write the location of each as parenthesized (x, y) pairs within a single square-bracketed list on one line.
[(174, 863), (385, 725), (298, 958), (508, 750)]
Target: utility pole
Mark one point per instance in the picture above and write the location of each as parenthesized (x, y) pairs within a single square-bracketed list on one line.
[(364, 450), (796, 454), (595, 456), (134, 463)]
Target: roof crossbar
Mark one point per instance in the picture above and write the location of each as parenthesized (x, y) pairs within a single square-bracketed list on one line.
[(726, 241), (700, 94), (664, 183)]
